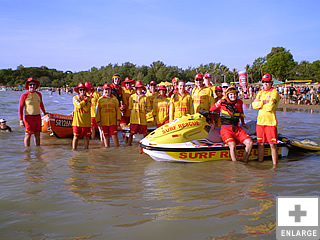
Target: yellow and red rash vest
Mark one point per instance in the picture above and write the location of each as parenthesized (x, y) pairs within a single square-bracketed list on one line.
[(180, 105), (152, 97), (31, 102), (126, 95), (267, 106), (161, 109), (94, 100), (139, 106), (108, 111), (202, 99), (82, 112), (230, 112), (213, 89)]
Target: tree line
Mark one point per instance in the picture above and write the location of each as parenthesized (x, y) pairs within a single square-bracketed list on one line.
[(279, 62)]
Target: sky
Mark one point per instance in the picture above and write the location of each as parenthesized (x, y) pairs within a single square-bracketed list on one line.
[(77, 35)]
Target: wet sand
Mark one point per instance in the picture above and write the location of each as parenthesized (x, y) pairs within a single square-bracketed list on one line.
[(282, 105)]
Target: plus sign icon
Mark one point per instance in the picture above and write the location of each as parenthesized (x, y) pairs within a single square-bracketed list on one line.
[(298, 218)]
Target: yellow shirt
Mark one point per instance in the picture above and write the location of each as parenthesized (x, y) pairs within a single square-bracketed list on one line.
[(139, 106), (152, 97), (267, 106), (161, 109), (180, 106), (202, 99), (94, 100), (82, 112), (108, 111), (126, 95)]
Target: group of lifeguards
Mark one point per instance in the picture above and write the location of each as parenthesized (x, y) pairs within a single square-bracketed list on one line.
[(127, 103)]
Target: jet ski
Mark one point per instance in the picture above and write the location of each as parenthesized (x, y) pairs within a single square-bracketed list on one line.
[(191, 139)]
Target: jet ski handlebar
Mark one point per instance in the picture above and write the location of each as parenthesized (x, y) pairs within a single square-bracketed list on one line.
[(208, 113)]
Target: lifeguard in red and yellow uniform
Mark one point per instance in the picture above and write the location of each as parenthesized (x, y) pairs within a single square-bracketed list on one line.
[(174, 86), (139, 105), (94, 95), (207, 78), (108, 116), (180, 102), (81, 123), (127, 91), (202, 96), (266, 102), (231, 112), (152, 94), (31, 102), (161, 107)]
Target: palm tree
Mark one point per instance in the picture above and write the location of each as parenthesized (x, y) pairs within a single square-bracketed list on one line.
[(234, 71), (248, 70), (224, 70)]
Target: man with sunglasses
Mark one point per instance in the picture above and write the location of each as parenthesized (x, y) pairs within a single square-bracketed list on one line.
[(266, 102), (31, 103), (81, 123)]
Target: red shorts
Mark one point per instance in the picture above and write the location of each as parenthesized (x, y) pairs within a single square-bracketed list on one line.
[(239, 135), (125, 120), (136, 128), (81, 131), (93, 122), (110, 130), (32, 123), (267, 134)]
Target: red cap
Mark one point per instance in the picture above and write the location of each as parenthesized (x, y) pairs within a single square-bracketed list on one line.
[(207, 75), (267, 78), (127, 80), (162, 87), (80, 85), (106, 86), (26, 86), (88, 85), (139, 84), (153, 83), (218, 88), (198, 76)]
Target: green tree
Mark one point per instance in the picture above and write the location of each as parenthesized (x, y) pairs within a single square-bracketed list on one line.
[(280, 65)]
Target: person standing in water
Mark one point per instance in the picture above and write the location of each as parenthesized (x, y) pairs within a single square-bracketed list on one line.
[(266, 102), (139, 105), (31, 103), (81, 123), (108, 116)]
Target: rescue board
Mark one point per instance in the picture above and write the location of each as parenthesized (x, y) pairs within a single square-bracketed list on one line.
[(306, 144)]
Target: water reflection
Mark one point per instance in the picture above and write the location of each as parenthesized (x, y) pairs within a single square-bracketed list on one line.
[(37, 168)]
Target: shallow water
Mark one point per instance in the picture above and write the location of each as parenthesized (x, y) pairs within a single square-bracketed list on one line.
[(52, 192)]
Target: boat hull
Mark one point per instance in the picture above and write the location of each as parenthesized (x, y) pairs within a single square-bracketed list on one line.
[(58, 125), (196, 152)]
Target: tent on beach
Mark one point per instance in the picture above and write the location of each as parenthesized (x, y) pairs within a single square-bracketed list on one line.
[(275, 82), (166, 83)]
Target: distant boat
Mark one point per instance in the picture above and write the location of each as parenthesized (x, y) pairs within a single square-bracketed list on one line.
[(58, 125)]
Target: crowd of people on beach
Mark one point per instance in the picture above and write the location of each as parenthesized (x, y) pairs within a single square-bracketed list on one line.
[(128, 102)]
